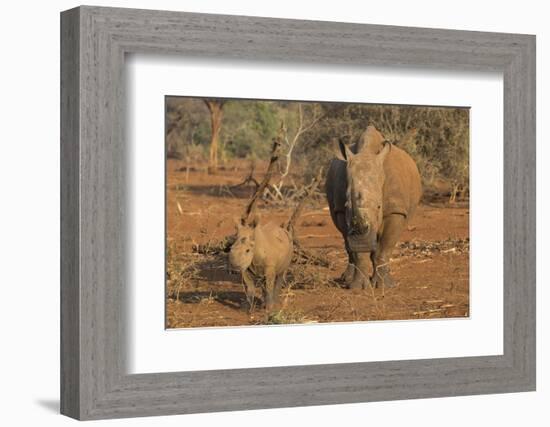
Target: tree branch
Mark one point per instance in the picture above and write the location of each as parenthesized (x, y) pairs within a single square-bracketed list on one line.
[(259, 191)]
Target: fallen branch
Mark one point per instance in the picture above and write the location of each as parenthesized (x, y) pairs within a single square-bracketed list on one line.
[(249, 177), (319, 236), (303, 256), (215, 247), (435, 310)]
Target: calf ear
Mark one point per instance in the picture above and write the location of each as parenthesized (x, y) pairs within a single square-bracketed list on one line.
[(342, 151), (255, 221)]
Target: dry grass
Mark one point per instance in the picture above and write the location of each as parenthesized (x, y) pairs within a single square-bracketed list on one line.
[(304, 272), (310, 273), (286, 317), (181, 271), (430, 265), (421, 248)]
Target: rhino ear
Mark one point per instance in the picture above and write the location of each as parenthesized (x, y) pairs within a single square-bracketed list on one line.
[(383, 152), (343, 152)]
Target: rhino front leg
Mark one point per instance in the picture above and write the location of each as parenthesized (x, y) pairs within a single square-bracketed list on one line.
[(249, 288), (361, 279), (348, 275), (393, 227)]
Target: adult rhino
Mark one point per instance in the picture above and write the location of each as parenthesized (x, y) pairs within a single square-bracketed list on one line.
[(373, 190)]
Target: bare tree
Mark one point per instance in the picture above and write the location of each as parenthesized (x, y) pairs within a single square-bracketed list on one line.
[(215, 106), (291, 141)]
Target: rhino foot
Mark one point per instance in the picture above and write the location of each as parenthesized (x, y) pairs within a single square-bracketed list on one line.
[(360, 282), (249, 305), (382, 278), (272, 306), (347, 276), (251, 301)]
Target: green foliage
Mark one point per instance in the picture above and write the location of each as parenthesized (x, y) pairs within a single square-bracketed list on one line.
[(248, 128), (440, 146), (187, 127)]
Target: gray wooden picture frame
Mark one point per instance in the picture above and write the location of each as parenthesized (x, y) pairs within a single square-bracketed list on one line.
[(94, 382)]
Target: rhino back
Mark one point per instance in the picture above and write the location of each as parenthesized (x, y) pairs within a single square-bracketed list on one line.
[(402, 187), (273, 248)]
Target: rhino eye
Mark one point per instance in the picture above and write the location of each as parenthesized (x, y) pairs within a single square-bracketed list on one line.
[(379, 206), (248, 250)]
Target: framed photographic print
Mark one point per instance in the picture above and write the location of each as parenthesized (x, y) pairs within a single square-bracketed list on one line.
[(320, 253), (262, 213)]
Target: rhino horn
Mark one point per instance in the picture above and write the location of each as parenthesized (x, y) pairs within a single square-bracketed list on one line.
[(371, 141)]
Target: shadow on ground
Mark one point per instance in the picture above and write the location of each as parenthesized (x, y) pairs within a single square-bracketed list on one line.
[(217, 270), (233, 299), (51, 405)]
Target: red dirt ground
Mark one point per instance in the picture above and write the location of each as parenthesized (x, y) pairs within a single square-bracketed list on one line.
[(430, 265)]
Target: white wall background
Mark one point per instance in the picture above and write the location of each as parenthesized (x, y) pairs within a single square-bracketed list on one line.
[(29, 212)]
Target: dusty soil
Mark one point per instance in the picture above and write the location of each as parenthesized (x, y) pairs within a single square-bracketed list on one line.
[(430, 264)]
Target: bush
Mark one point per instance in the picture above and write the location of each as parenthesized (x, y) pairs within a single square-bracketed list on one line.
[(440, 147)]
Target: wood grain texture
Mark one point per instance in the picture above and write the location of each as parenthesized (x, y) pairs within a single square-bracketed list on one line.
[(70, 221), (94, 270)]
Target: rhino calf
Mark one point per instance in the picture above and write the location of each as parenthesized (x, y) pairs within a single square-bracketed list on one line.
[(262, 253)]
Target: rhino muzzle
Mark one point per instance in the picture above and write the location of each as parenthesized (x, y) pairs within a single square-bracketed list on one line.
[(240, 258), (359, 229), (358, 221)]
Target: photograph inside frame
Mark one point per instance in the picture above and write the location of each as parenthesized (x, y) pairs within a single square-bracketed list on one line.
[(295, 212)]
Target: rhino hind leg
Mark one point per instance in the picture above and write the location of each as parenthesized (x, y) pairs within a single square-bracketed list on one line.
[(393, 227), (269, 289), (279, 281)]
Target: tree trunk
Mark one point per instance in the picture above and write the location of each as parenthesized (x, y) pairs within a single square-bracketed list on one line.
[(216, 114)]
